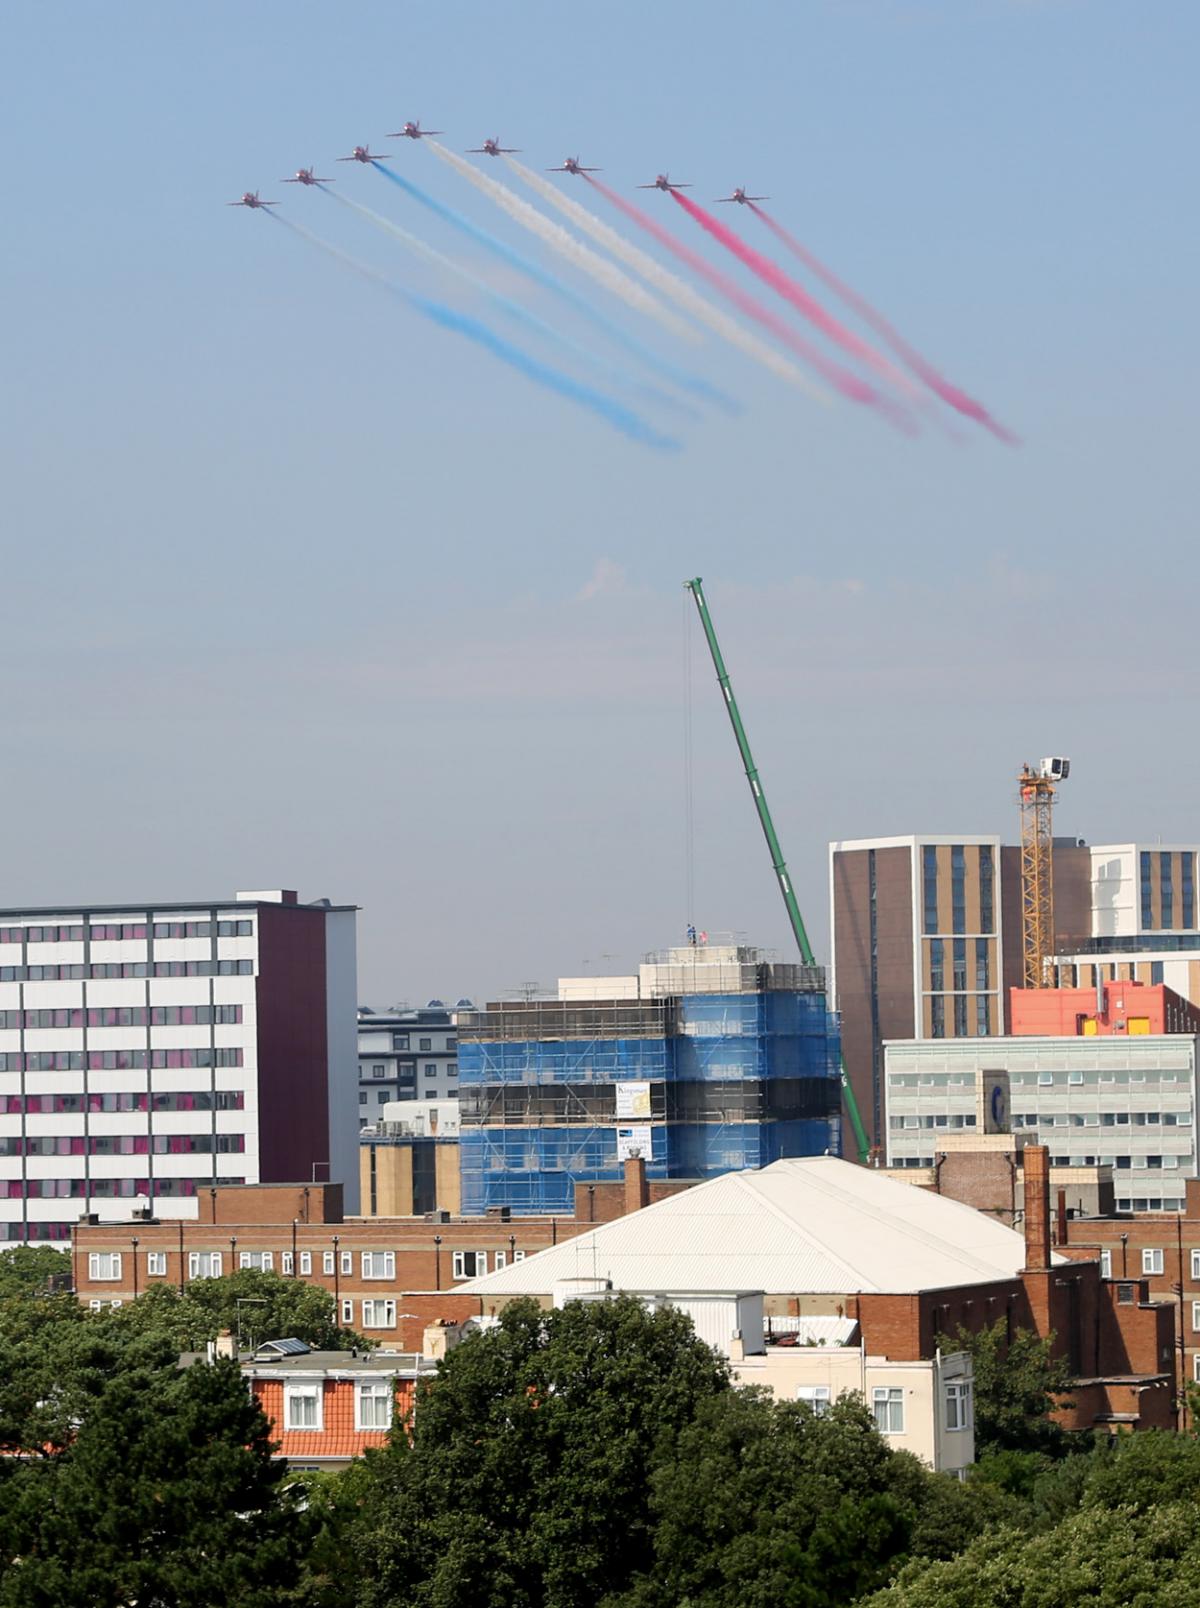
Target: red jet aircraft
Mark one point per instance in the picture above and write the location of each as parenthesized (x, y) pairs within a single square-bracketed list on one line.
[(414, 131), (494, 148), (362, 153), (250, 199), (662, 182), (306, 176), (572, 165), (740, 196)]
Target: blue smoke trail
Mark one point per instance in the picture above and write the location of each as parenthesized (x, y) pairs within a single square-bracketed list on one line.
[(621, 418), (514, 309), (551, 282)]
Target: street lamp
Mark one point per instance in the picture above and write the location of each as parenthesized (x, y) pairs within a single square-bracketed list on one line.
[(337, 1295), (512, 1249), (437, 1260), (135, 1287)]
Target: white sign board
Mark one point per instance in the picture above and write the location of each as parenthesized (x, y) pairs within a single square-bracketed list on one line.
[(635, 1142), (633, 1099)]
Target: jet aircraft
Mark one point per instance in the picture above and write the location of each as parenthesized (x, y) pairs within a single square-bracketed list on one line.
[(662, 182), (573, 165), (740, 196), (362, 153), (306, 176), (250, 199), (494, 148), (414, 131)]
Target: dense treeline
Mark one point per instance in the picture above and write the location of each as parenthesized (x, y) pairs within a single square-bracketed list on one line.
[(596, 1457)]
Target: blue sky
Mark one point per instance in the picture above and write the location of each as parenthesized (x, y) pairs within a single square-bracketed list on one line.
[(299, 589)]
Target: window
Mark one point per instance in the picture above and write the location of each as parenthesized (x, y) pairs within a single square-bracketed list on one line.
[(379, 1314), (347, 1263), (958, 897), (379, 1264), (518, 1256), (362, 1097), (1045, 1080), (1196, 1367), (286, 1264), (156, 1264), (937, 1017), (1147, 904), (204, 1264), (1106, 1264), (424, 1044), (104, 1265), (303, 1406), (470, 1264), (887, 1403), (327, 1263), (260, 1261), (399, 1041), (815, 1396), (373, 1405), (431, 1069), (347, 1310), (499, 1260), (986, 901), (1196, 1316), (305, 1262), (452, 1069), (378, 1069), (1196, 1266), (960, 1016), (937, 965), (929, 881), (1152, 1261), (958, 1405)]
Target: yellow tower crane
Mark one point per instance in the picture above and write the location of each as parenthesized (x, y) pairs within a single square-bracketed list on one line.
[(1037, 793)]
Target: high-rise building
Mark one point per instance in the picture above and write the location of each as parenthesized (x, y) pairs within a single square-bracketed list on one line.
[(406, 1054), (710, 1058), (151, 1052)]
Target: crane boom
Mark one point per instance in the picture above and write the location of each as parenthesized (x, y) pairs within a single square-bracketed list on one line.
[(768, 826)]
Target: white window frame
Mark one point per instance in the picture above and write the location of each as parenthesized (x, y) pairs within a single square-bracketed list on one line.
[(1106, 1264), (370, 1264), (156, 1264), (1196, 1317), (457, 1264), (375, 1318), (347, 1309), (518, 1256), (327, 1263), (294, 1391), (110, 1261), (1196, 1367), (95, 1306), (818, 1397), (347, 1264), (375, 1391), (499, 1260), (212, 1258), (1152, 1262), (287, 1262), (1196, 1266), (258, 1261), (958, 1405), (891, 1399), (305, 1263)]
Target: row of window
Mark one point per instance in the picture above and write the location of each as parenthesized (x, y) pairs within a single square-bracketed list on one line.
[(1104, 1119), (116, 1189), (1043, 1080), (379, 1069), (124, 1016), (116, 1060), (401, 1041), (122, 1144), (106, 1265), (304, 1404), (1152, 1203), (74, 1104), (962, 1013), (108, 930), (887, 1404), (128, 968)]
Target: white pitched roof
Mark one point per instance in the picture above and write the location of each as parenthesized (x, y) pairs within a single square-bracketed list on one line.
[(814, 1225)]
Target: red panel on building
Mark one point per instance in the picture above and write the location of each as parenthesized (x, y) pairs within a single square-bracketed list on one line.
[(1118, 1008)]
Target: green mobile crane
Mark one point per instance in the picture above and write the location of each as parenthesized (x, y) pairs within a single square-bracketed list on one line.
[(768, 826)]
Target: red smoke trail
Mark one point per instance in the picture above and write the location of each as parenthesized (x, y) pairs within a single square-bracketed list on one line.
[(848, 384), (959, 400)]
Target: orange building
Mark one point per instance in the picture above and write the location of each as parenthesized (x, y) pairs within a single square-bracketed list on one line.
[(1106, 1011)]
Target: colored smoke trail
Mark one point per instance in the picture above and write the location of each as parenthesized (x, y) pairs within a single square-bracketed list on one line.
[(558, 239), (621, 418), (794, 293), (553, 283), (513, 309), (951, 394), (848, 384), (670, 284)]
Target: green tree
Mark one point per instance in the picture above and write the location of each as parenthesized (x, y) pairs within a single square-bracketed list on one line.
[(1018, 1383), (526, 1481), (33, 1270), (166, 1494), (1096, 1558), (273, 1308)]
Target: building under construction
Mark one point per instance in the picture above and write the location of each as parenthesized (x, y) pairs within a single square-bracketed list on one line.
[(709, 1059)]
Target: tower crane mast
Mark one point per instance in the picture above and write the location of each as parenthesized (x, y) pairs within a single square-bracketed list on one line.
[(778, 863), (1037, 791)]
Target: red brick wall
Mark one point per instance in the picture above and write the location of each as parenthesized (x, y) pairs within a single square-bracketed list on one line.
[(338, 1438)]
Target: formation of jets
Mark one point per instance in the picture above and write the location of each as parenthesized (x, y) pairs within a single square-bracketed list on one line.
[(490, 147)]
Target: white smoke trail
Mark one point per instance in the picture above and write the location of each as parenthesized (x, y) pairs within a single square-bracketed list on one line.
[(560, 240), (670, 284)]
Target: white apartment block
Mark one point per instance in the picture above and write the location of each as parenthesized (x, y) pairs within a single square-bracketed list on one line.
[(1124, 1103), (406, 1054), (148, 1053)]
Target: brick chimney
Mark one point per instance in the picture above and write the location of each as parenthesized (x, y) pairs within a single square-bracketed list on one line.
[(1060, 1218), (1036, 1161), (637, 1192)]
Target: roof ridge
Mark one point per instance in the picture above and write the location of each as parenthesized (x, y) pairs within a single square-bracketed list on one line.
[(778, 1212)]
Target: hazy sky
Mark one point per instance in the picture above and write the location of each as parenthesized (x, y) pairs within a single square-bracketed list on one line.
[(300, 590)]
